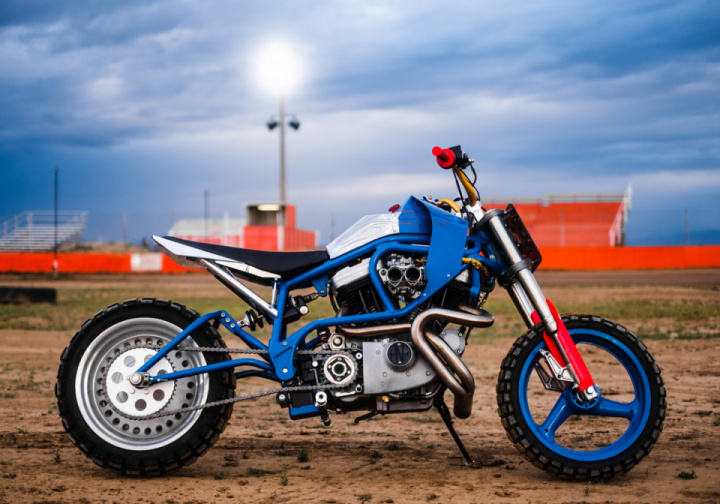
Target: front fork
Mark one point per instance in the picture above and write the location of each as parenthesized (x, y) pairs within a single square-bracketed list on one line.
[(534, 308)]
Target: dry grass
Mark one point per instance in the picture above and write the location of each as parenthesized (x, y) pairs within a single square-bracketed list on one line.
[(689, 312), (257, 454)]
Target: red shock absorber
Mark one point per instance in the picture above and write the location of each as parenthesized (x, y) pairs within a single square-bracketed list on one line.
[(324, 336), (576, 361)]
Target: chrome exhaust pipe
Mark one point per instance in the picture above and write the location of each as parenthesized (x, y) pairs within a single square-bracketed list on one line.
[(369, 332), (450, 368)]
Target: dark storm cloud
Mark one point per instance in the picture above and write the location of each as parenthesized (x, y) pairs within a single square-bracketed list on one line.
[(513, 53), (99, 76), (171, 63), (540, 93), (641, 36), (40, 12), (616, 82)]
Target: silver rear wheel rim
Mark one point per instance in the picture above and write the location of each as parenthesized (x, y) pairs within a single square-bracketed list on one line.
[(116, 429)]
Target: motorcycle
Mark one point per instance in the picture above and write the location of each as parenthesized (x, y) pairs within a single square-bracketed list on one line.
[(147, 385)]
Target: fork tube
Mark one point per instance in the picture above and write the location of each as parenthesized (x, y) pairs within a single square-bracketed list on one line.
[(503, 236), (536, 299), (528, 281), (531, 287), (524, 276), (521, 301)]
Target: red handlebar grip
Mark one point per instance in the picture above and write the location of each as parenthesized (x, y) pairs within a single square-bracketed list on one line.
[(445, 157)]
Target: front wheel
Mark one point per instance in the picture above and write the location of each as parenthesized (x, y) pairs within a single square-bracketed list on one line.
[(562, 436)]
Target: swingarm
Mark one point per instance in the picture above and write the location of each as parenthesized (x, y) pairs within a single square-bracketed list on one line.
[(142, 377)]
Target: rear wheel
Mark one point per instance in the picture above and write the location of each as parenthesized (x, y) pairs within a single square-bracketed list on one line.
[(106, 417), (557, 433)]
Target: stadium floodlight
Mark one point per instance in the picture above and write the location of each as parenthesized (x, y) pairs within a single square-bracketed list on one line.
[(278, 69), (271, 124)]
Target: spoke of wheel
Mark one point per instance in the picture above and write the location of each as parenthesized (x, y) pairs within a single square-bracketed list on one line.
[(609, 408), (560, 412)]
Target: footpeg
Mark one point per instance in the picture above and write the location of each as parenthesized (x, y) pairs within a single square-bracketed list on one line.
[(325, 418), (321, 400)]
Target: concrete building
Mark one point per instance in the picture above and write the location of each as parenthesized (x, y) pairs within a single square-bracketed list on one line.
[(269, 226)]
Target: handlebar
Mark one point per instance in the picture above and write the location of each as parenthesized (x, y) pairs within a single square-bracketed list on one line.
[(447, 158)]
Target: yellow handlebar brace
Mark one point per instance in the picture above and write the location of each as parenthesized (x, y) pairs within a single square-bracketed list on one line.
[(472, 195), (451, 204)]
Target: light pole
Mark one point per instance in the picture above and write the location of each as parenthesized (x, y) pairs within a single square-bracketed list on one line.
[(271, 125), (282, 152), (55, 240), (205, 215), (278, 72)]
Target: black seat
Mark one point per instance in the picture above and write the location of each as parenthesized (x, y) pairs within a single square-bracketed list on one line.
[(285, 264)]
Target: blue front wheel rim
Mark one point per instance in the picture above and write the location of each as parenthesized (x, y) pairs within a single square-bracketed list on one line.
[(637, 411)]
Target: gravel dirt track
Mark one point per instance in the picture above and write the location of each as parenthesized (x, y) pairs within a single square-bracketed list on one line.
[(400, 458)]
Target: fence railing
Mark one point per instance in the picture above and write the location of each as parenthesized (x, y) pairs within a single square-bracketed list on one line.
[(37, 229)]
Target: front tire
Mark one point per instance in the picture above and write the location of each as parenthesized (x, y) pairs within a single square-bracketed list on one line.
[(103, 414), (584, 441)]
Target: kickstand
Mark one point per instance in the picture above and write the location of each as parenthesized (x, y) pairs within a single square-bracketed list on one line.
[(366, 416), (445, 415)]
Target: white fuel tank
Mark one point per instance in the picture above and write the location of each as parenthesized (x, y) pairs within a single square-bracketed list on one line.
[(366, 230)]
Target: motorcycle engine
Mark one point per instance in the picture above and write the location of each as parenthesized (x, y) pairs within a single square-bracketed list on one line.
[(404, 278), (386, 373)]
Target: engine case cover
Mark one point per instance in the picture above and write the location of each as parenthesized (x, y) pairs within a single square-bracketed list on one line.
[(380, 377), (383, 373)]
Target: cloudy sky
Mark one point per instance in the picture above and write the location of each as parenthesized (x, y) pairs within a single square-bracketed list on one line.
[(144, 105)]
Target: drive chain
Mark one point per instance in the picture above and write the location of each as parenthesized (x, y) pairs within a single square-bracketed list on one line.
[(255, 395)]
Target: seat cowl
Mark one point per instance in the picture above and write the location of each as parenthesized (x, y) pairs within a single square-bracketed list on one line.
[(283, 264), (184, 255), (250, 272)]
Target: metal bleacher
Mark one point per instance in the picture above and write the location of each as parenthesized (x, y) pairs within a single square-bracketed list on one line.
[(35, 230), (566, 220)]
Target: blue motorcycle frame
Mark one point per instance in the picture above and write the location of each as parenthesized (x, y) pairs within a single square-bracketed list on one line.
[(425, 229)]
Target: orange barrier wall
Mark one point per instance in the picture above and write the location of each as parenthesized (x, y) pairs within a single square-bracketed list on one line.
[(629, 258), (170, 266), (554, 258), (68, 263)]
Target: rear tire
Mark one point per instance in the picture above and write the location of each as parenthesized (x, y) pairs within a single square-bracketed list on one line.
[(98, 416), (584, 441)]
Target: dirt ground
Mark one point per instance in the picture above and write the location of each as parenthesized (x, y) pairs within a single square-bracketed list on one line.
[(264, 457)]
